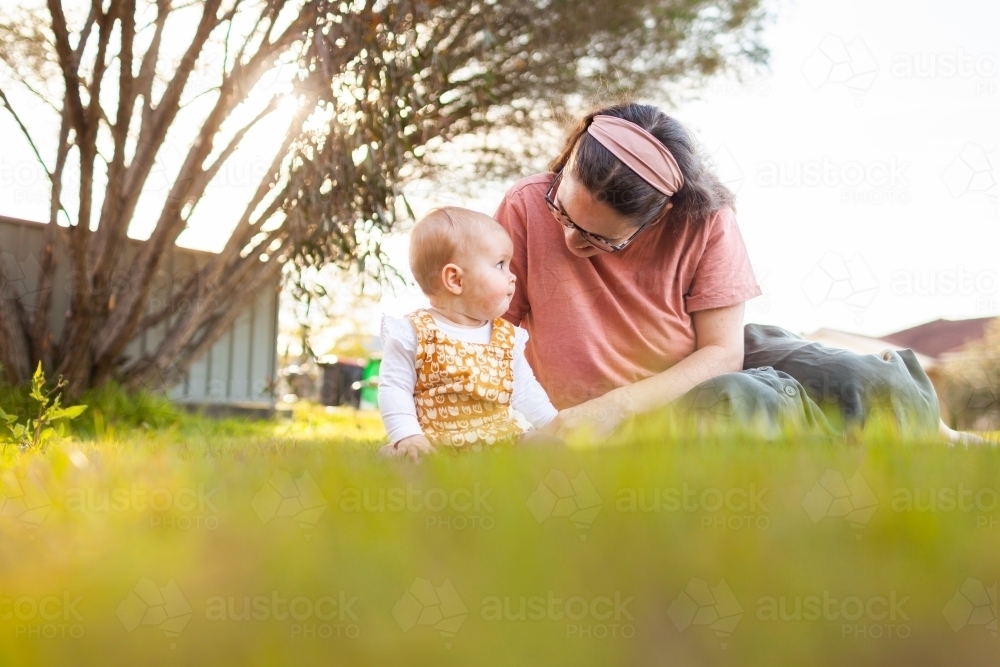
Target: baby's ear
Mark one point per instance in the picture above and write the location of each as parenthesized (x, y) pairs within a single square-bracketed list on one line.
[(451, 278)]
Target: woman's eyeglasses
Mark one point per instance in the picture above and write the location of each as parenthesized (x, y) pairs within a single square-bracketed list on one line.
[(598, 242)]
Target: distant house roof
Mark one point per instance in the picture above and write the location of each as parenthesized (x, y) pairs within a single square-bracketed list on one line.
[(860, 344), (940, 336)]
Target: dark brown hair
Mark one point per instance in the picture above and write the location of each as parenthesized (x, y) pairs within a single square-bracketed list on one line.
[(611, 182)]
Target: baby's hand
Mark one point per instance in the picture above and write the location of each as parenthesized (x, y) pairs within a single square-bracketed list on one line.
[(413, 446)]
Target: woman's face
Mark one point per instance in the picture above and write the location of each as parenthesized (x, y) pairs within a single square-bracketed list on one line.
[(593, 216)]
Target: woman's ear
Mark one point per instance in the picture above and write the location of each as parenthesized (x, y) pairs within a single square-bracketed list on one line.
[(451, 278)]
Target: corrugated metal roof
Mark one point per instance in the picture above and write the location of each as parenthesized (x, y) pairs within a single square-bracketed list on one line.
[(940, 336)]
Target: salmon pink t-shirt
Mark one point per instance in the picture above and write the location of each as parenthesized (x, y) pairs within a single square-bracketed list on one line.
[(607, 321)]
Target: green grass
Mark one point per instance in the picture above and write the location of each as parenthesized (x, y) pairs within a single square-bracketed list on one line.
[(216, 534)]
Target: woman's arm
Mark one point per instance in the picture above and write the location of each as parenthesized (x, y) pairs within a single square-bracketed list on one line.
[(718, 350)]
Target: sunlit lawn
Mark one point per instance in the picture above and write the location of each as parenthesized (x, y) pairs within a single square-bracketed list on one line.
[(288, 542)]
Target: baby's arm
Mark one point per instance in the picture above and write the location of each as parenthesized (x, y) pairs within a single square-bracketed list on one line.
[(397, 378), (529, 398)]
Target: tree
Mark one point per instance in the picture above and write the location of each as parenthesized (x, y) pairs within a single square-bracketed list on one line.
[(377, 87), (971, 383)]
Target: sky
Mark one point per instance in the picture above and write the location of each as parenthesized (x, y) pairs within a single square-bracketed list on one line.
[(864, 159)]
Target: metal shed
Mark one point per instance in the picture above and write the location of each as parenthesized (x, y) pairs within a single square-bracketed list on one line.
[(239, 369)]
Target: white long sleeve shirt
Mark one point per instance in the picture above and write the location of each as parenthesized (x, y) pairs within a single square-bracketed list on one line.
[(398, 376)]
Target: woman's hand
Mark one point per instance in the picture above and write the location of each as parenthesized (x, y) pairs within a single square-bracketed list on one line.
[(600, 415), (412, 446)]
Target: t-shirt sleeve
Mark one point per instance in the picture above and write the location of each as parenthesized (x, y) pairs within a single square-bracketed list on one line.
[(512, 214), (723, 275)]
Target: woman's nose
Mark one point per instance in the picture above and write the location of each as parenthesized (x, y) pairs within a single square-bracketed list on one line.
[(573, 238)]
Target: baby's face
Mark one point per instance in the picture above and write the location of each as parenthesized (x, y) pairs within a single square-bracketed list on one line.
[(489, 284)]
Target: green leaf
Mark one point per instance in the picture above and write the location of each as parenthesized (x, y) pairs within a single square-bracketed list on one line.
[(37, 384), (71, 412)]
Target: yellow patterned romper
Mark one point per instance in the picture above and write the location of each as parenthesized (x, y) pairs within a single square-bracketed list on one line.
[(464, 389)]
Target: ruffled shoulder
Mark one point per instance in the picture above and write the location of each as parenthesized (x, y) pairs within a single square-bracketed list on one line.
[(520, 339), (399, 329)]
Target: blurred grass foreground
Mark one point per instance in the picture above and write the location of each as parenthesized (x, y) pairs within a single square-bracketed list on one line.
[(152, 537)]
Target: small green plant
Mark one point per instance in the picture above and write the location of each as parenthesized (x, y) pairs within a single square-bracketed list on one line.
[(34, 433)]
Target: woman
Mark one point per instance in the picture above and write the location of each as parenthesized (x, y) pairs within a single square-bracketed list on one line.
[(632, 277)]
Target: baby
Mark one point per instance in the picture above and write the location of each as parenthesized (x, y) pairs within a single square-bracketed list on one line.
[(451, 374)]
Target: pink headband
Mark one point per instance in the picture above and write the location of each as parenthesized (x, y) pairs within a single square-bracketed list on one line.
[(640, 151)]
